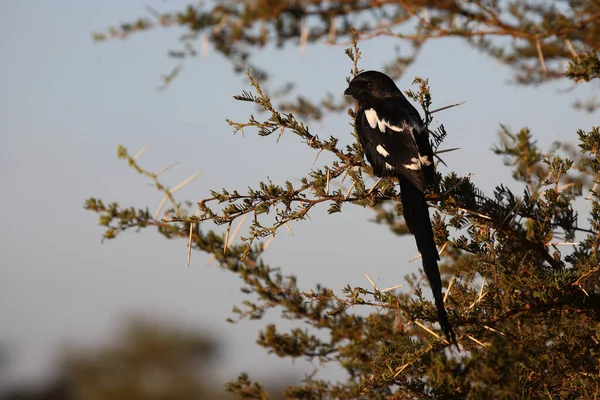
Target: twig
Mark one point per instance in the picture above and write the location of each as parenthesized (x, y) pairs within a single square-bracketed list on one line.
[(585, 275)]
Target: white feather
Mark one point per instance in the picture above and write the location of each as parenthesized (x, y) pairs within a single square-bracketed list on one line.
[(374, 121), (424, 160), (381, 150), (416, 164)]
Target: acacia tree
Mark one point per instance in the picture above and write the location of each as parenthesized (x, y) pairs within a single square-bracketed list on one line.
[(526, 309)]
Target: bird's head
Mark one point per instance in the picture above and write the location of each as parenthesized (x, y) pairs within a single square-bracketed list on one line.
[(372, 85)]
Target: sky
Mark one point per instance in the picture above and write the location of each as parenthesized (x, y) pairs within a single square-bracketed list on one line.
[(66, 103)]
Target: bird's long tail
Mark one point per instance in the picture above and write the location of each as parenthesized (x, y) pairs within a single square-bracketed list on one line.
[(416, 215)]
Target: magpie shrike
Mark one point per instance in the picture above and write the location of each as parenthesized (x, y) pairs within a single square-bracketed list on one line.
[(396, 143)]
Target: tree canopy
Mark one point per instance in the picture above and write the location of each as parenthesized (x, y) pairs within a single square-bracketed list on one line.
[(521, 268), (535, 38)]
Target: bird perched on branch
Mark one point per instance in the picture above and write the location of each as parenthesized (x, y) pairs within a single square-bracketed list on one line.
[(396, 143)]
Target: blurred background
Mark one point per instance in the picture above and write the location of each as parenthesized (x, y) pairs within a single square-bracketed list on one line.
[(75, 310)]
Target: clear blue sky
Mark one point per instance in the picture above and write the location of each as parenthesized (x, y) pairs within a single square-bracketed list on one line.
[(65, 105)]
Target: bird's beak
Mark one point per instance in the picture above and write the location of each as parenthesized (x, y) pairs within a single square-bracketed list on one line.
[(350, 91)]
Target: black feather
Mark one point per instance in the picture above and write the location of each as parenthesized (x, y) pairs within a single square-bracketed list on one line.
[(416, 215), (396, 143)]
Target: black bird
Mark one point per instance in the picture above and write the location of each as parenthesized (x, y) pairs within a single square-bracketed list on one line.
[(396, 143)]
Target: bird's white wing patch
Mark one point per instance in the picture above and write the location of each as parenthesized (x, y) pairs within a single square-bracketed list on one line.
[(381, 150), (416, 164), (374, 121), (388, 166), (424, 160), (372, 118)]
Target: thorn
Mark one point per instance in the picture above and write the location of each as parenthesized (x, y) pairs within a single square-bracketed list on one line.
[(429, 330), (477, 341), (204, 45), (160, 206), (446, 150), (303, 37), (349, 190), (280, 133), (268, 242), (449, 287), (391, 288), (237, 229), (571, 49), (493, 330), (374, 186), (371, 281), (447, 107), (189, 253), (165, 169), (289, 229), (317, 156), (184, 183), (141, 151), (226, 241), (538, 47)]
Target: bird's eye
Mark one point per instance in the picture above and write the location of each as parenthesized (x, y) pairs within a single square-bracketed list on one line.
[(368, 84)]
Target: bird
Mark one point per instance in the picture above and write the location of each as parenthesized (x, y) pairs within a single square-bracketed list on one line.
[(396, 144)]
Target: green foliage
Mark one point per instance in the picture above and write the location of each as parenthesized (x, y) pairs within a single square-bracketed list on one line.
[(520, 267), (533, 37), (520, 305)]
